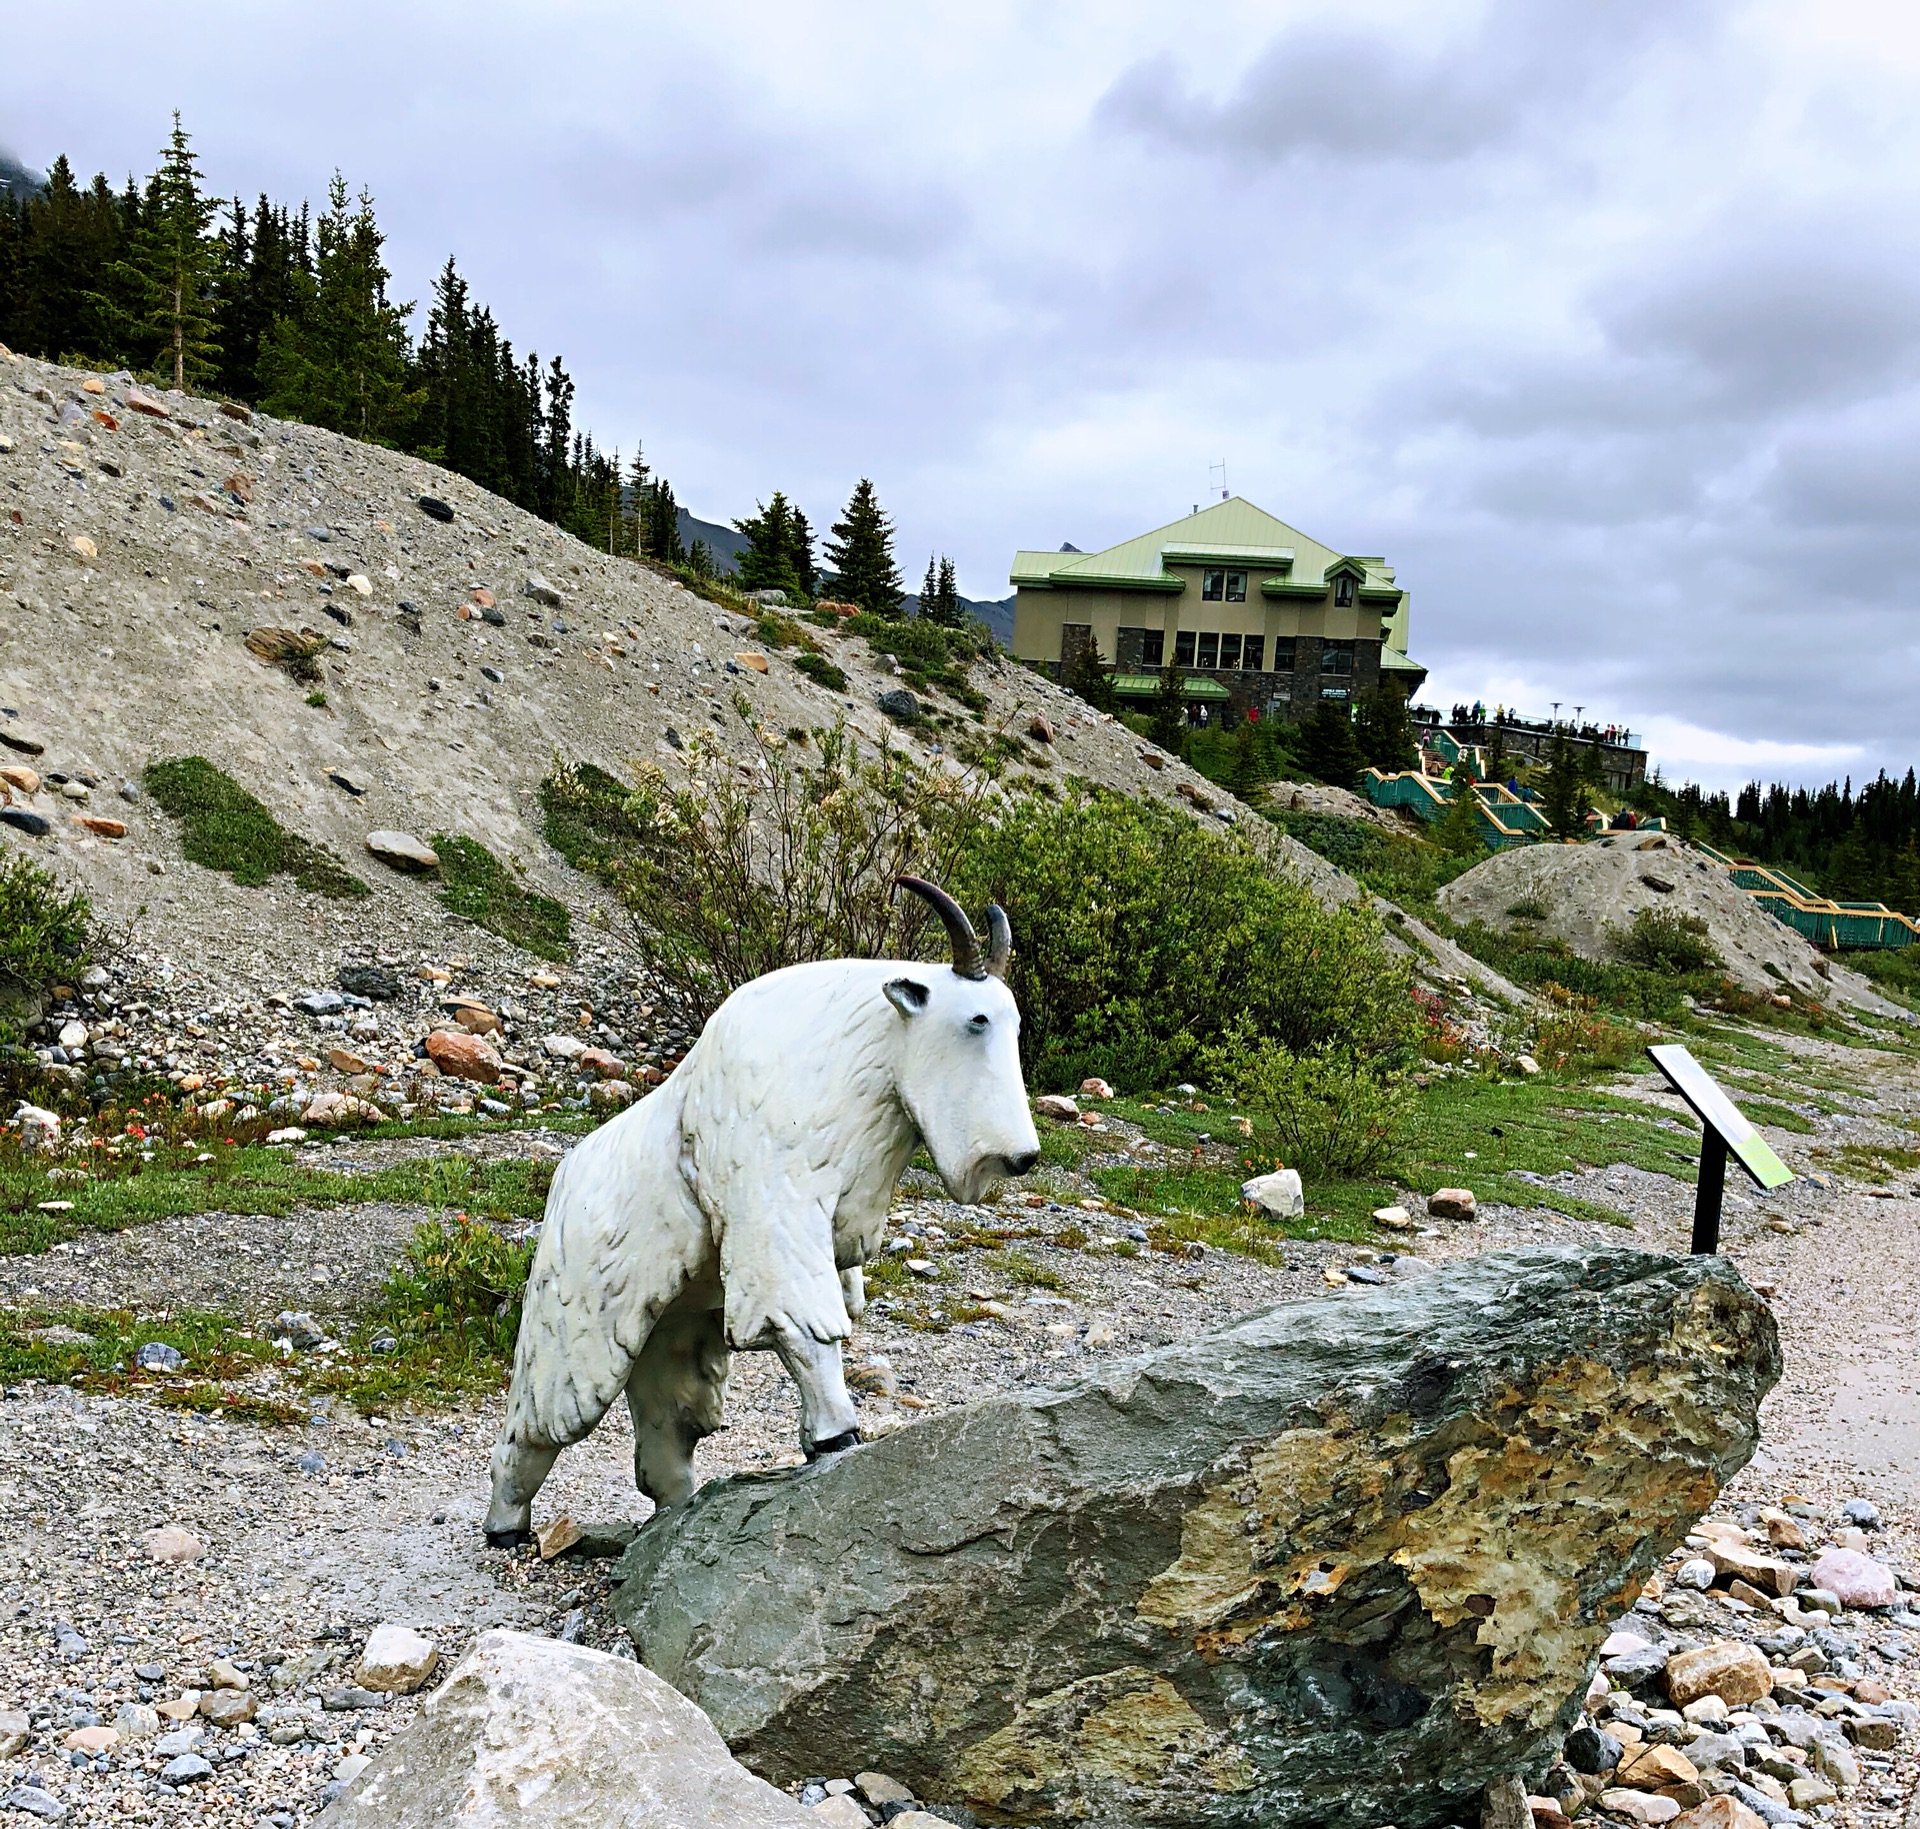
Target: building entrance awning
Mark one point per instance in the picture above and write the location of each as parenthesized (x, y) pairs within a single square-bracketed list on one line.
[(1145, 685)]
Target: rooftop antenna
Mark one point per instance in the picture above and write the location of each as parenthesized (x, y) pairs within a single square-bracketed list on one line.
[(1221, 466)]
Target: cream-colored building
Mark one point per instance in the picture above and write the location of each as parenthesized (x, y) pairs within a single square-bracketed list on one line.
[(1253, 613)]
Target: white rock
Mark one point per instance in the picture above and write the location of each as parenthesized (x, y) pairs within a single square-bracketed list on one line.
[(397, 1660), (1278, 1194), (545, 1735), (563, 1047), (137, 1721), (839, 1812), (402, 851), (73, 1035), (1695, 1572), (39, 1128), (1527, 1064), (1057, 1105)]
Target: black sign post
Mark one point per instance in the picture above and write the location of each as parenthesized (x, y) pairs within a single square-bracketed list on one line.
[(1724, 1129)]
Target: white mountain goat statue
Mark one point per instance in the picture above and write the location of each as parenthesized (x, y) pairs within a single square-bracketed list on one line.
[(732, 1209)]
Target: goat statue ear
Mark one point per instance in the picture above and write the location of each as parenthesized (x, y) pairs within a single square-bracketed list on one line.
[(907, 995)]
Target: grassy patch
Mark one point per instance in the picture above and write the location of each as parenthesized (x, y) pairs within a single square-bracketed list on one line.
[(1871, 1161), (821, 671), (222, 827), (109, 1190), (230, 1370), (583, 812), (1017, 1268), (477, 886)]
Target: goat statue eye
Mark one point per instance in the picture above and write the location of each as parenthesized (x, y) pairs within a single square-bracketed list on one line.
[(978, 1025)]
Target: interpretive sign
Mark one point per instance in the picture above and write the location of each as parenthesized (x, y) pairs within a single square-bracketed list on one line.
[(1723, 1128)]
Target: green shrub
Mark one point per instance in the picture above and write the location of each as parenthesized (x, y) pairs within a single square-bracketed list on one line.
[(1141, 937), (583, 812), (461, 1279), (1396, 865), (222, 827), (477, 885), (43, 939), (728, 877), (1541, 963), (1665, 941), (1528, 908), (1338, 1112), (821, 671)]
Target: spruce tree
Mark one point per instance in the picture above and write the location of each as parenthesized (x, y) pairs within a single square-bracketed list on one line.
[(1328, 748), (1169, 715), (800, 555), (660, 524), (1384, 732), (861, 554), (942, 603), (1457, 831), (169, 279), (1087, 675), (929, 592), (767, 563), (1565, 801)]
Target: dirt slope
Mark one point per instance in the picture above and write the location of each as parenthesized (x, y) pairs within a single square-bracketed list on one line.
[(1590, 892), (136, 650)]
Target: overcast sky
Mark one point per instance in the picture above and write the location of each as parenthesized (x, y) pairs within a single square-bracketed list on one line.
[(1598, 318)]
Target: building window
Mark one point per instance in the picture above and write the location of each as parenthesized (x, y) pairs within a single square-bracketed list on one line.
[(1209, 655), (1137, 649), (1230, 652), (1183, 648), (1228, 587), (1236, 587), (1343, 592), (1336, 657), (1283, 646), (1253, 654)]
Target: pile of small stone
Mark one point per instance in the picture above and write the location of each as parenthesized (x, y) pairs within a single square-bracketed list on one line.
[(870, 1798), (1749, 1685)]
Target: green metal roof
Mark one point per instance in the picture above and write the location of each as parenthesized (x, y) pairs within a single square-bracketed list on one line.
[(1393, 661), (1233, 531), (1145, 685)]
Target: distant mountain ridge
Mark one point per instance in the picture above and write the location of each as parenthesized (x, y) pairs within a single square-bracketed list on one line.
[(21, 180)]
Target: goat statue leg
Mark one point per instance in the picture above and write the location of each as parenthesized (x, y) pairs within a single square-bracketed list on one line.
[(828, 1422), (676, 1395)]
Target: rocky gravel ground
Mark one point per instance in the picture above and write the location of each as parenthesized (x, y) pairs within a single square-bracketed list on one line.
[(233, 1573)]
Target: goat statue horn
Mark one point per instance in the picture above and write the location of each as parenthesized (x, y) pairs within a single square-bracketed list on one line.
[(999, 941), (965, 942)]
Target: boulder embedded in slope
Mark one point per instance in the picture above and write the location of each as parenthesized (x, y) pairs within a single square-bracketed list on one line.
[(1340, 1563), (546, 1735)]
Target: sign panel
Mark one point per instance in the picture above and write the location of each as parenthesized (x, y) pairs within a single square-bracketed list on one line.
[(1721, 1116)]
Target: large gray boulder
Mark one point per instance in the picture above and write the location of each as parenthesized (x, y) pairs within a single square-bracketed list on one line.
[(1340, 1563), (542, 1735)]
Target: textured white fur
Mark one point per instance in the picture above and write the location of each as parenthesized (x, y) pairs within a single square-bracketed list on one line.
[(733, 1207)]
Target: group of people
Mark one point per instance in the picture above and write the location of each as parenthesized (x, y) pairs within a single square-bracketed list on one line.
[(1476, 714)]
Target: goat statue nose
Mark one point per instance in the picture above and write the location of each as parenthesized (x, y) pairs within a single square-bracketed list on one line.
[(1021, 1163)]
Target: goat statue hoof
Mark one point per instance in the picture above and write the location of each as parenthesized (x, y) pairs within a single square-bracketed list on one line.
[(508, 1539), (834, 1444)]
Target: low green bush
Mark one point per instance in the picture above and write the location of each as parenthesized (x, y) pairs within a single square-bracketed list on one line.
[(43, 939), (583, 812), (477, 885), (1337, 1112), (1141, 937), (821, 671), (1396, 865), (1666, 941), (222, 827), (459, 1279)]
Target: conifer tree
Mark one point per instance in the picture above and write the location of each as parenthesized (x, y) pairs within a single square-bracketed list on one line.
[(767, 563), (861, 554), (800, 554), (1457, 831), (169, 278), (661, 524), (1384, 732), (940, 596), (1169, 725), (1328, 748), (1087, 675), (1565, 801), (929, 591)]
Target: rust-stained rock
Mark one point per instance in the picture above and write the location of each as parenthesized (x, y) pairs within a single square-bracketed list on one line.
[(1734, 1672), (1344, 1562)]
